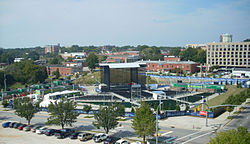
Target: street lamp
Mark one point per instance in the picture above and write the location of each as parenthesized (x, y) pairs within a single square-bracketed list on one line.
[(156, 126)]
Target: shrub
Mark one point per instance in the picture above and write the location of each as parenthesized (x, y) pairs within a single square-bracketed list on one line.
[(5, 103)]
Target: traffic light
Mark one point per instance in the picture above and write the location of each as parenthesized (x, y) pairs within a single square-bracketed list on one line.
[(159, 134), (195, 109), (199, 109), (227, 108)]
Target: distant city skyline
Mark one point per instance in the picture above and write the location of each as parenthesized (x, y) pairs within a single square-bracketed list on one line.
[(30, 23)]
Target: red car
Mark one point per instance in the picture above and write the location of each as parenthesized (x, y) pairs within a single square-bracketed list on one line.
[(22, 126)]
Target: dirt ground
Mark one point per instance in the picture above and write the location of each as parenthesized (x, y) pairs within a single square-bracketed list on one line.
[(15, 136)]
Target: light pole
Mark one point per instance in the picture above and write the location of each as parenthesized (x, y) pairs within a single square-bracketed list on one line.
[(202, 103), (156, 126), (207, 114)]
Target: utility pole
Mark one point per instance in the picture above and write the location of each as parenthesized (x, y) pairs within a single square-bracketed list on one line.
[(202, 103), (156, 126), (207, 114), (4, 82)]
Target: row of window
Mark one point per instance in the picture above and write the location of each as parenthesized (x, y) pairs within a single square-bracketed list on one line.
[(228, 46), (168, 66), (228, 63), (228, 59)]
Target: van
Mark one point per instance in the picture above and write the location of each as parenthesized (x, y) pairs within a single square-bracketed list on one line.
[(85, 136)]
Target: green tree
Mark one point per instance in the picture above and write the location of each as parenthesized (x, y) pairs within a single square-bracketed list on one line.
[(190, 74), (196, 74), (187, 107), (26, 108), (61, 113), (56, 60), (170, 107), (69, 59), (87, 108), (144, 121), (102, 58), (132, 109), (247, 40), (175, 51), (151, 53), (91, 61), (119, 109), (56, 73), (163, 107), (106, 118), (239, 136), (5, 103), (178, 108), (26, 72)]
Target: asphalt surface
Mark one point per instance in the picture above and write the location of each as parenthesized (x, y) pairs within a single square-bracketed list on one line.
[(243, 119), (184, 136)]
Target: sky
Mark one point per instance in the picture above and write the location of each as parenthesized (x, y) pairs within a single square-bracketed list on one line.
[(30, 23)]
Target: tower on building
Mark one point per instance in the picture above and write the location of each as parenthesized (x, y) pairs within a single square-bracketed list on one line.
[(226, 38)]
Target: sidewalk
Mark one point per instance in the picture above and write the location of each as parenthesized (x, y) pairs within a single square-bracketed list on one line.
[(194, 123)]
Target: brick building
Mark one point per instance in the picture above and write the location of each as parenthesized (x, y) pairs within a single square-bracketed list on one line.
[(122, 58), (64, 71), (165, 66), (172, 58), (52, 49)]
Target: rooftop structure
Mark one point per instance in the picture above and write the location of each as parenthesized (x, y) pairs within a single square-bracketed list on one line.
[(225, 38)]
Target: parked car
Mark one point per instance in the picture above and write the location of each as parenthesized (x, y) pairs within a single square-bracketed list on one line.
[(111, 140), (85, 136), (22, 126), (64, 133), (41, 130), (16, 125), (74, 135), (28, 128), (11, 125), (50, 132), (35, 128), (100, 137), (122, 142), (6, 124)]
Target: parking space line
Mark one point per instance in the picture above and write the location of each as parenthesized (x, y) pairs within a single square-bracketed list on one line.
[(196, 137), (167, 133), (188, 135)]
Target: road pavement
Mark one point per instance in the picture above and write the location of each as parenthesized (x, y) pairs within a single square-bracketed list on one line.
[(186, 129)]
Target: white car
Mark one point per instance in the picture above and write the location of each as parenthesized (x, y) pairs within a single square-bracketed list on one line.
[(122, 142), (136, 142), (41, 130), (100, 137)]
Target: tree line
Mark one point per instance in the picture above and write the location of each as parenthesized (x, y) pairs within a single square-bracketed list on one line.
[(25, 72)]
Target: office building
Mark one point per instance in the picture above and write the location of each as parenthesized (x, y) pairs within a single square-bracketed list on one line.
[(52, 49), (229, 54)]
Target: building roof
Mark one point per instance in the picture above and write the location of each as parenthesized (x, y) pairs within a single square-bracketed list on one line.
[(170, 62), (121, 65)]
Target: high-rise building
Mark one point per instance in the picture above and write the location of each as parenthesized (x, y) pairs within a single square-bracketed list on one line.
[(52, 49), (229, 54), (226, 38)]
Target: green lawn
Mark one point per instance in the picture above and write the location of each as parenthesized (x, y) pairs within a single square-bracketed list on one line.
[(231, 90), (17, 85)]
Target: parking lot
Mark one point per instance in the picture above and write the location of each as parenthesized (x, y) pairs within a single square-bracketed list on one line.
[(15, 136)]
